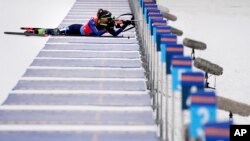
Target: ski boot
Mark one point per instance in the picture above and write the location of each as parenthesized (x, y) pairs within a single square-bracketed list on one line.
[(43, 31), (54, 31), (38, 31)]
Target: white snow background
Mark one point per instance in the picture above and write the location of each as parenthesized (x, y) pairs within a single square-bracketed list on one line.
[(18, 52), (223, 25)]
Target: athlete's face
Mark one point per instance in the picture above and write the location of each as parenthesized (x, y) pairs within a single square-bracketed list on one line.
[(103, 21)]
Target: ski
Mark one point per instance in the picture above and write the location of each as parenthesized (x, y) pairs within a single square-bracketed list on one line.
[(29, 28), (26, 34), (46, 35)]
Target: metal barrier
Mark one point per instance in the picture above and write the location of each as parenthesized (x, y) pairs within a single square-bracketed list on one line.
[(171, 79)]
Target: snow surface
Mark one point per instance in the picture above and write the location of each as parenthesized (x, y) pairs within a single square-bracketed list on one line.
[(223, 25), (17, 52)]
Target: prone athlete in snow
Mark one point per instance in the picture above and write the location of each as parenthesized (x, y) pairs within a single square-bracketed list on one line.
[(96, 26)]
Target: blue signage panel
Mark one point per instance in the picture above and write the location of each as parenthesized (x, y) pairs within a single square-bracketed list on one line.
[(152, 23), (217, 131), (158, 31), (149, 7), (203, 110), (166, 38), (190, 81), (179, 65), (158, 16), (168, 50), (146, 2), (151, 12)]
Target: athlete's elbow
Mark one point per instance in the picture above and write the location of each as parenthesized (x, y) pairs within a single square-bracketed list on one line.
[(116, 34)]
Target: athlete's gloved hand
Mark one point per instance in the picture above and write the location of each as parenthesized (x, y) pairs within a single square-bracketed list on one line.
[(127, 22), (111, 23)]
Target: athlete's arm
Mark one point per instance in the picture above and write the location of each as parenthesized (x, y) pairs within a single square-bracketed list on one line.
[(97, 32), (111, 30)]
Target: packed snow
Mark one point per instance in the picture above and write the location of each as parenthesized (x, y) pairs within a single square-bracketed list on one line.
[(222, 25), (17, 52)]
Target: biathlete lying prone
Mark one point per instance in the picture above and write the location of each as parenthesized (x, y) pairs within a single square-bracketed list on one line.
[(96, 26)]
